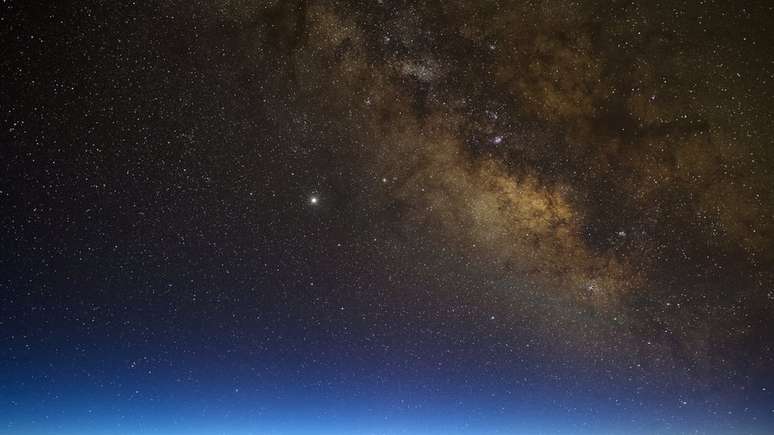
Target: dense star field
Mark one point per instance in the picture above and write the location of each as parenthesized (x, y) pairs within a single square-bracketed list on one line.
[(387, 217)]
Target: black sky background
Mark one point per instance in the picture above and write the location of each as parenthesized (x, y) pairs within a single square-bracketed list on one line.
[(565, 198)]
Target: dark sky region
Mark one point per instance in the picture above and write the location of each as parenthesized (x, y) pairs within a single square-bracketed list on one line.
[(386, 217)]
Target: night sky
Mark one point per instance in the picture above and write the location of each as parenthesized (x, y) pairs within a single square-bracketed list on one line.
[(382, 217)]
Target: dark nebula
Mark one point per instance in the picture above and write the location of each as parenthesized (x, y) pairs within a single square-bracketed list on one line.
[(387, 217)]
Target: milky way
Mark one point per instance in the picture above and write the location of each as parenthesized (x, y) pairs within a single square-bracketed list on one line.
[(580, 161), (442, 206)]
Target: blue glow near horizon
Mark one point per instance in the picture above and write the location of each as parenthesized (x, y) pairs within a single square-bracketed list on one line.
[(220, 411), (108, 394)]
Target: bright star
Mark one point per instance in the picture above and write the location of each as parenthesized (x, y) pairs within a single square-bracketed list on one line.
[(314, 200)]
